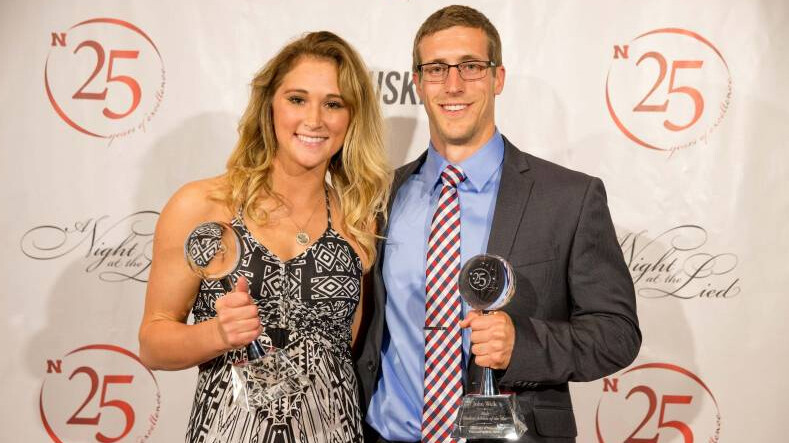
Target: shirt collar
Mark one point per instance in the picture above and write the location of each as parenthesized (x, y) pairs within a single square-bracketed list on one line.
[(479, 167)]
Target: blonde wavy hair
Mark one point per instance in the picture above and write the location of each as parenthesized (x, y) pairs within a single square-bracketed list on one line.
[(359, 172)]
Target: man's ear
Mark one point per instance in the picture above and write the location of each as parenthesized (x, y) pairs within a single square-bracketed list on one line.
[(499, 82)]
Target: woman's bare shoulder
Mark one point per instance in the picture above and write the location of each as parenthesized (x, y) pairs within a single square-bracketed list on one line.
[(197, 201)]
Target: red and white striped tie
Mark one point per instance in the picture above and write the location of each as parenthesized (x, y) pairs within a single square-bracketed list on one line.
[(443, 338)]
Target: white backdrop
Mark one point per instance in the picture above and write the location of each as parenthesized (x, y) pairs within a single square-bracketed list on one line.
[(680, 107)]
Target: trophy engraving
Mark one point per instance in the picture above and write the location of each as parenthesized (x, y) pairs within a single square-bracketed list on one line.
[(487, 283), (479, 279)]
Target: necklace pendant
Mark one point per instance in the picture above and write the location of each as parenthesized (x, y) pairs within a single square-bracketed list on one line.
[(302, 238)]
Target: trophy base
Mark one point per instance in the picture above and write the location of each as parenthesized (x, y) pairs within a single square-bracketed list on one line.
[(260, 382), (489, 416)]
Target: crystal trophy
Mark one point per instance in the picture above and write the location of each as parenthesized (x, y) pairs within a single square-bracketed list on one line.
[(213, 251), (486, 282)]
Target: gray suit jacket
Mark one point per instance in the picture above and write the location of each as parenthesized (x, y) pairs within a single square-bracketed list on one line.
[(574, 309)]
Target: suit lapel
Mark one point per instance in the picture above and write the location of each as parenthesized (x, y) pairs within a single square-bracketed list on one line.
[(514, 191), (400, 176)]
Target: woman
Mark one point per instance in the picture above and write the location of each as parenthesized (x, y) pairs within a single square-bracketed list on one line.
[(306, 244)]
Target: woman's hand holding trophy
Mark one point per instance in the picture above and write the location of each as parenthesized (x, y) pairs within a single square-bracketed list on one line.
[(237, 316), (213, 252)]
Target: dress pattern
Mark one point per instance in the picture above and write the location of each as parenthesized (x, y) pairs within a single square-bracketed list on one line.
[(313, 296)]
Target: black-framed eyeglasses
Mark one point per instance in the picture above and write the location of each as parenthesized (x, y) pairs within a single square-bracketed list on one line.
[(437, 72)]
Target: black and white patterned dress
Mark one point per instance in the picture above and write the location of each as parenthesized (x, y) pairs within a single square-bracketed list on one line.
[(320, 289)]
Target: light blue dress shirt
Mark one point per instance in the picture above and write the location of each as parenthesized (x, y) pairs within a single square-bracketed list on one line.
[(396, 407)]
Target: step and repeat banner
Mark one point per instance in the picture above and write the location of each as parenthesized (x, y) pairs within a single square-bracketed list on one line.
[(680, 107)]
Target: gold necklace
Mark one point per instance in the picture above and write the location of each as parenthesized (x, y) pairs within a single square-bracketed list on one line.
[(302, 237)]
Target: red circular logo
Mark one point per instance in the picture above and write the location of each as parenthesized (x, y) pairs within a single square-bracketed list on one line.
[(657, 402), (668, 89), (104, 77), (99, 393)]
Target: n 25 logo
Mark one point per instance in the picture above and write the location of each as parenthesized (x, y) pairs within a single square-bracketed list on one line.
[(104, 77), (658, 86), (656, 402), (97, 393)]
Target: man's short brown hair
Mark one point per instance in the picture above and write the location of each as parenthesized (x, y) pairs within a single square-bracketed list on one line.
[(457, 15)]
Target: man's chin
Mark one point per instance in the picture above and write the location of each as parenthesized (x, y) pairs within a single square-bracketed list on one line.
[(457, 139)]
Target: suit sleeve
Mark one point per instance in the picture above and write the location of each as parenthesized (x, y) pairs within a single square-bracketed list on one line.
[(601, 334)]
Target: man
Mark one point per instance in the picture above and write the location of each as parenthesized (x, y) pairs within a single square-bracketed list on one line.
[(573, 317)]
